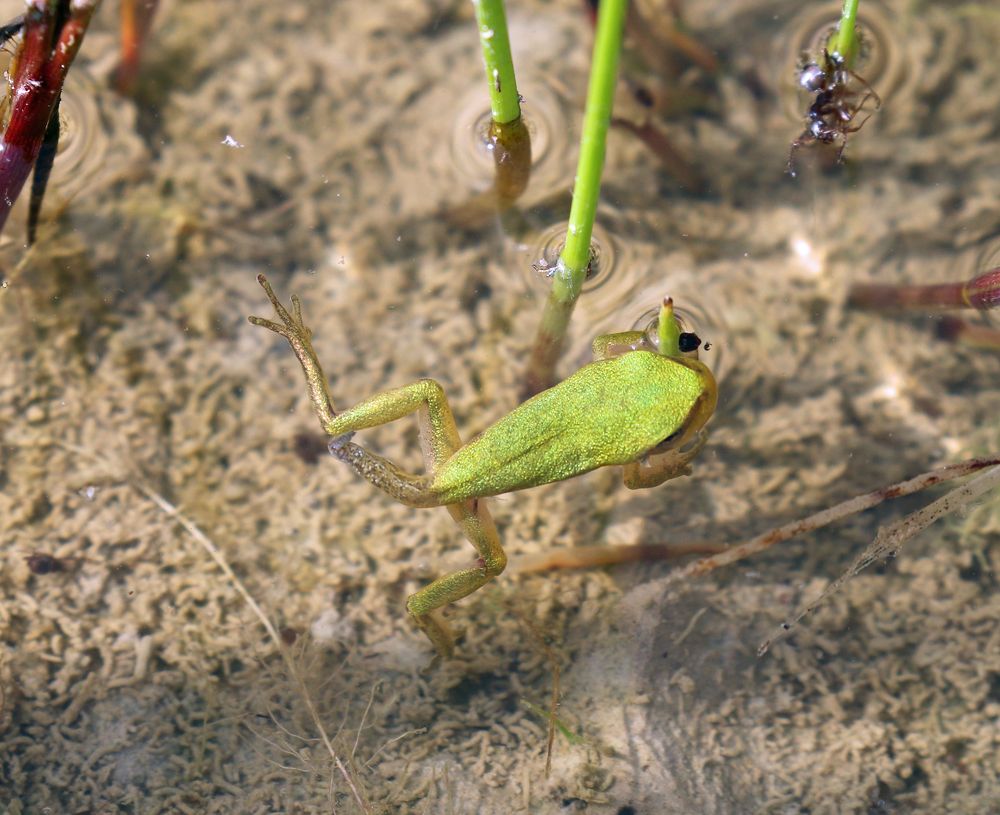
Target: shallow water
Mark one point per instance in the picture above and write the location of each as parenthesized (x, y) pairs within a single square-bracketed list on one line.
[(138, 680)]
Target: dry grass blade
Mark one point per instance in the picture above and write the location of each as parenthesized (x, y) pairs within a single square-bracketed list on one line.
[(825, 517), (890, 539), (216, 555), (540, 642)]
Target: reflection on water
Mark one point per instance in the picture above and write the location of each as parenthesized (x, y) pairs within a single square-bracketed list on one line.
[(139, 681)]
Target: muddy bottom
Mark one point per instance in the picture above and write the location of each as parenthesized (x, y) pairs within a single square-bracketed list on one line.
[(150, 434)]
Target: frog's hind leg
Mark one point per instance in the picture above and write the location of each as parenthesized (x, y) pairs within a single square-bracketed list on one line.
[(412, 490), (439, 439), (424, 605), (293, 328)]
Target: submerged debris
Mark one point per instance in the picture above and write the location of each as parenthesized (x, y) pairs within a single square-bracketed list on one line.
[(831, 116)]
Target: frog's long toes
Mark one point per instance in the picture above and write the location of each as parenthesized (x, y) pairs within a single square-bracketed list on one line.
[(269, 324)]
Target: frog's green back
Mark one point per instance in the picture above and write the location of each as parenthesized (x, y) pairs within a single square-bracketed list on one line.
[(608, 412)]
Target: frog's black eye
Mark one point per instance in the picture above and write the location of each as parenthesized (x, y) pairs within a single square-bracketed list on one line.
[(688, 342)]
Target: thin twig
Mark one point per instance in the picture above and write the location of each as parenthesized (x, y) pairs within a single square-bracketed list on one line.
[(890, 539), (364, 718), (417, 732), (824, 517)]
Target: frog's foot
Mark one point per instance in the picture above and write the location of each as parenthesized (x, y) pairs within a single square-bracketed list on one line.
[(438, 632), (678, 461), (292, 327), (681, 458)]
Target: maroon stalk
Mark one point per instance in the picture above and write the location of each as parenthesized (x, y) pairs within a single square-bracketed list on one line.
[(954, 329), (982, 292), (44, 59)]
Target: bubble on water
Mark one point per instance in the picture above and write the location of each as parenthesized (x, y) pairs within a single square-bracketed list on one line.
[(692, 317)]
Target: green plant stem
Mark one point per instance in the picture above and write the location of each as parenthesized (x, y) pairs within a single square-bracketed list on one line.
[(845, 40), (571, 270), (575, 256), (491, 18)]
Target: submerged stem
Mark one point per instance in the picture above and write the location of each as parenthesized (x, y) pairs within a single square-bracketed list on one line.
[(981, 292), (507, 137)]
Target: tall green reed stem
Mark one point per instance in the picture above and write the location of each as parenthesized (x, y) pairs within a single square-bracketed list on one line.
[(491, 18), (845, 39), (574, 260), (507, 136)]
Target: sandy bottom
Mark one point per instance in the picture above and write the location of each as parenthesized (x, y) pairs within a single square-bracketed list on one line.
[(143, 422)]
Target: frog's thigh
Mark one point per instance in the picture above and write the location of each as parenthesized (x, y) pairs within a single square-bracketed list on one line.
[(439, 439), (438, 435)]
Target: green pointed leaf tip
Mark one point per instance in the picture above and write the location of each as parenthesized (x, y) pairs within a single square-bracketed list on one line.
[(668, 330)]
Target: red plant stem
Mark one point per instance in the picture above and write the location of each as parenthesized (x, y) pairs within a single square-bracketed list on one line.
[(981, 292), (41, 69), (593, 557), (984, 291), (879, 297)]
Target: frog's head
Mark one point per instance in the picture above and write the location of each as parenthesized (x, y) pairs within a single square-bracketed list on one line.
[(683, 346)]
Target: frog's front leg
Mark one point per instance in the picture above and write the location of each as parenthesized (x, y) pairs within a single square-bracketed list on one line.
[(655, 468), (607, 346)]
